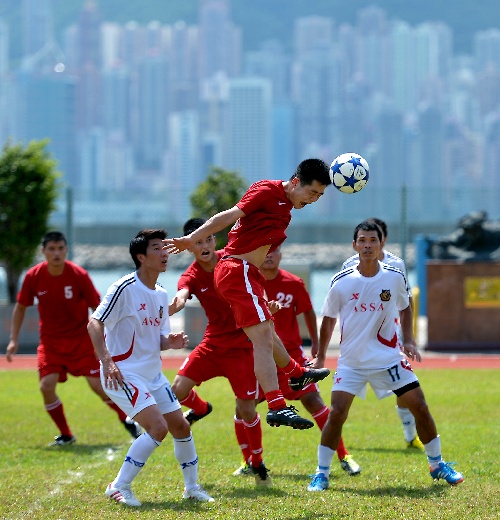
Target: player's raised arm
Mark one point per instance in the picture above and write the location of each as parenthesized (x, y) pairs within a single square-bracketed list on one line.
[(212, 225)]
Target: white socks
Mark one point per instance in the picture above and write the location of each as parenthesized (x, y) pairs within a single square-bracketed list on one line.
[(185, 453), (408, 422), (325, 456), (135, 459), (433, 452)]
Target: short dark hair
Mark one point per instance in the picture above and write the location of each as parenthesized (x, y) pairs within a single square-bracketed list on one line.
[(381, 224), (192, 225), (53, 236), (311, 170), (368, 225), (139, 244)]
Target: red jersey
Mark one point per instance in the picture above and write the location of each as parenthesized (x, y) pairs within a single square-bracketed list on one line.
[(221, 330), (289, 290), (63, 301), (267, 215)]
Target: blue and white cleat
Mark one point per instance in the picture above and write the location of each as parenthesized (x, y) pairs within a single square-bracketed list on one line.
[(318, 483), (446, 472)]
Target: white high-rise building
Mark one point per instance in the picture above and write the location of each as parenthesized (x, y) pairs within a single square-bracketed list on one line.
[(248, 131)]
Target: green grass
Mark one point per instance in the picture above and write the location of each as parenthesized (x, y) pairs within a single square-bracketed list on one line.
[(68, 483)]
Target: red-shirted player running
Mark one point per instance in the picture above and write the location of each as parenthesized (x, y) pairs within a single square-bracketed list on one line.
[(65, 292), (260, 220), (225, 351)]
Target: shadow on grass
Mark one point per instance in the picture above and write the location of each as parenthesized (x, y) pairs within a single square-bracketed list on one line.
[(82, 449), (403, 490)]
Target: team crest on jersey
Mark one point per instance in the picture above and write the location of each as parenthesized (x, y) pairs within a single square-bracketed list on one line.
[(161, 312), (385, 295)]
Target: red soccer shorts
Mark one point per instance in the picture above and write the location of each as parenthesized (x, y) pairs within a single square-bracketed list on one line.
[(235, 364), (242, 286), (68, 356)]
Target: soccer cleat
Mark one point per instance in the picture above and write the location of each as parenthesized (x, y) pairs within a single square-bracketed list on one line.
[(197, 493), (122, 495), (415, 443), (288, 417), (446, 472), (311, 375), (243, 470), (132, 427), (318, 483), (350, 465), (191, 417), (261, 474), (63, 440)]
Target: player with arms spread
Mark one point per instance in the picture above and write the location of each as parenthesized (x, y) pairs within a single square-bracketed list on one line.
[(365, 298), (260, 220), (65, 293)]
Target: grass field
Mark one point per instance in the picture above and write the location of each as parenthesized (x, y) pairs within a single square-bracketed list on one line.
[(39, 482)]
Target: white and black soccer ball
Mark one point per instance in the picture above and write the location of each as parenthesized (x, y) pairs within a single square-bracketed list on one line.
[(349, 173)]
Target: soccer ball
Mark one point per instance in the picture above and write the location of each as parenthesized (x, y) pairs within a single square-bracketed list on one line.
[(349, 173)]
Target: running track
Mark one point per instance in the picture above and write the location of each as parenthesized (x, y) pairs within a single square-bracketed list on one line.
[(431, 361)]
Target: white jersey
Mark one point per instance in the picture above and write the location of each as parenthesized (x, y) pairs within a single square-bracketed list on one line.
[(389, 258), (134, 318), (366, 307)]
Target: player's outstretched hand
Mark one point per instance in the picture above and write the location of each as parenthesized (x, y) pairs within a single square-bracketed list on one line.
[(176, 305), (411, 352), (176, 245)]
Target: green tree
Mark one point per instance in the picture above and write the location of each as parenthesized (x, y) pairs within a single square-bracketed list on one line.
[(28, 193), (221, 190)]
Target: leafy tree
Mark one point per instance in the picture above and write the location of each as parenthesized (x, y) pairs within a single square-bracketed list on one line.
[(28, 192), (221, 190)]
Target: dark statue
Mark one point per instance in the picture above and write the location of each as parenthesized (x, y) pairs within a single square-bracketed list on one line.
[(475, 240)]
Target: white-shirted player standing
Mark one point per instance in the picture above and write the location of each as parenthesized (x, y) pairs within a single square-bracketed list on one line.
[(365, 298), (128, 330), (407, 420)]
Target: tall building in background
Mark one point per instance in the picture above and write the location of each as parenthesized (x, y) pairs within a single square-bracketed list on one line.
[(182, 170), (487, 49), (183, 50), (220, 40), (152, 111), (248, 131), (89, 100), (45, 108), (37, 25)]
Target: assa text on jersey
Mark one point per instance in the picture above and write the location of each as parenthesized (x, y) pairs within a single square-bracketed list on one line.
[(368, 307), (151, 322)]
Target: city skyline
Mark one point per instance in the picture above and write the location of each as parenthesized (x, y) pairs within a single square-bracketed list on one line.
[(147, 108)]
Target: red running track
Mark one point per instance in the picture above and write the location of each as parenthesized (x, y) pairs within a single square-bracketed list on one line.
[(430, 361)]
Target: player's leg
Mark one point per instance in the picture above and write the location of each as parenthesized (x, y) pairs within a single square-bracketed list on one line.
[(299, 374), (130, 425), (54, 407), (409, 426), (330, 437), (156, 429), (315, 405), (253, 429), (414, 400), (199, 366), (185, 453)]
